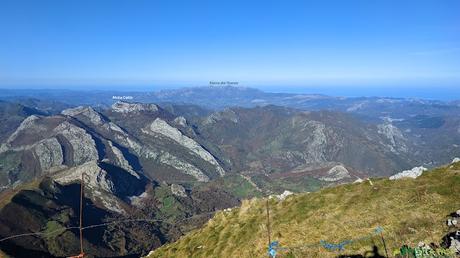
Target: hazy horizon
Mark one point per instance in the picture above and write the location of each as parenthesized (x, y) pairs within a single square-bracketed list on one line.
[(443, 93)]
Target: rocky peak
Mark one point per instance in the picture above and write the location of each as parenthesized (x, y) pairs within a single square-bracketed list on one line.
[(82, 144), (26, 124), (87, 112), (126, 107), (180, 120)]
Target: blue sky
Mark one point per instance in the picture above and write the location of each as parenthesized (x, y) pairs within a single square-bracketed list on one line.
[(369, 43)]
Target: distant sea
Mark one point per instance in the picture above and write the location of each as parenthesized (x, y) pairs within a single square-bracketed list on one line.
[(445, 93)]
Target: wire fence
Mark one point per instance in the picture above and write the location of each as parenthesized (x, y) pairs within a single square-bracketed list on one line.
[(274, 246), (46, 233)]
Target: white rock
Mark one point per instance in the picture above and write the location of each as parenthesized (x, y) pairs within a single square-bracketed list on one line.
[(178, 190), (87, 112), (95, 177), (121, 161), (218, 116), (315, 141), (83, 145), (413, 173), (180, 120), (49, 153), (126, 107), (285, 194), (187, 168), (159, 126), (26, 125), (96, 180), (137, 200), (394, 135), (359, 180), (357, 106), (336, 173), (455, 160), (454, 245), (116, 128), (94, 117), (282, 196)]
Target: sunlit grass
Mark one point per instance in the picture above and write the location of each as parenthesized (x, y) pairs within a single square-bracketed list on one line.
[(409, 210)]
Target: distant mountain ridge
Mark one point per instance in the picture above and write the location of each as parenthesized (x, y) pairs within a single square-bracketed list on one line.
[(205, 144), (223, 96), (174, 161)]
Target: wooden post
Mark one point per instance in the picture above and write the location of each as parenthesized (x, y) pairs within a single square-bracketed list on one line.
[(82, 187), (384, 244), (268, 226)]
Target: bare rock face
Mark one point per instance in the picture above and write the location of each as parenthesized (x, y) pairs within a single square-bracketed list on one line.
[(218, 116), (162, 128), (187, 168), (125, 107), (94, 117), (96, 180), (315, 143), (121, 161), (87, 112), (336, 173), (83, 145), (95, 177), (178, 190), (28, 125), (49, 153), (394, 135), (180, 120), (42, 136)]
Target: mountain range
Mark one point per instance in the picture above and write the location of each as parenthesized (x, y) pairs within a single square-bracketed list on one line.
[(173, 164)]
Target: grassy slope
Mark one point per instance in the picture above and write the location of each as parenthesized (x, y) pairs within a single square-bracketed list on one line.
[(409, 210), (7, 195)]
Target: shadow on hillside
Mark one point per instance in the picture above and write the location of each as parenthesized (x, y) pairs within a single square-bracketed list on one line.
[(374, 253)]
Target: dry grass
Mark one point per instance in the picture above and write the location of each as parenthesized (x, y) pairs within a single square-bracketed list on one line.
[(409, 210), (3, 255), (7, 195)]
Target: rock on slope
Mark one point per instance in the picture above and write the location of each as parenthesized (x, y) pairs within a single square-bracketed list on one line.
[(412, 173), (409, 211)]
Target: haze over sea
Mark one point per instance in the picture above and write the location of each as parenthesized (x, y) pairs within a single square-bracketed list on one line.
[(444, 93)]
